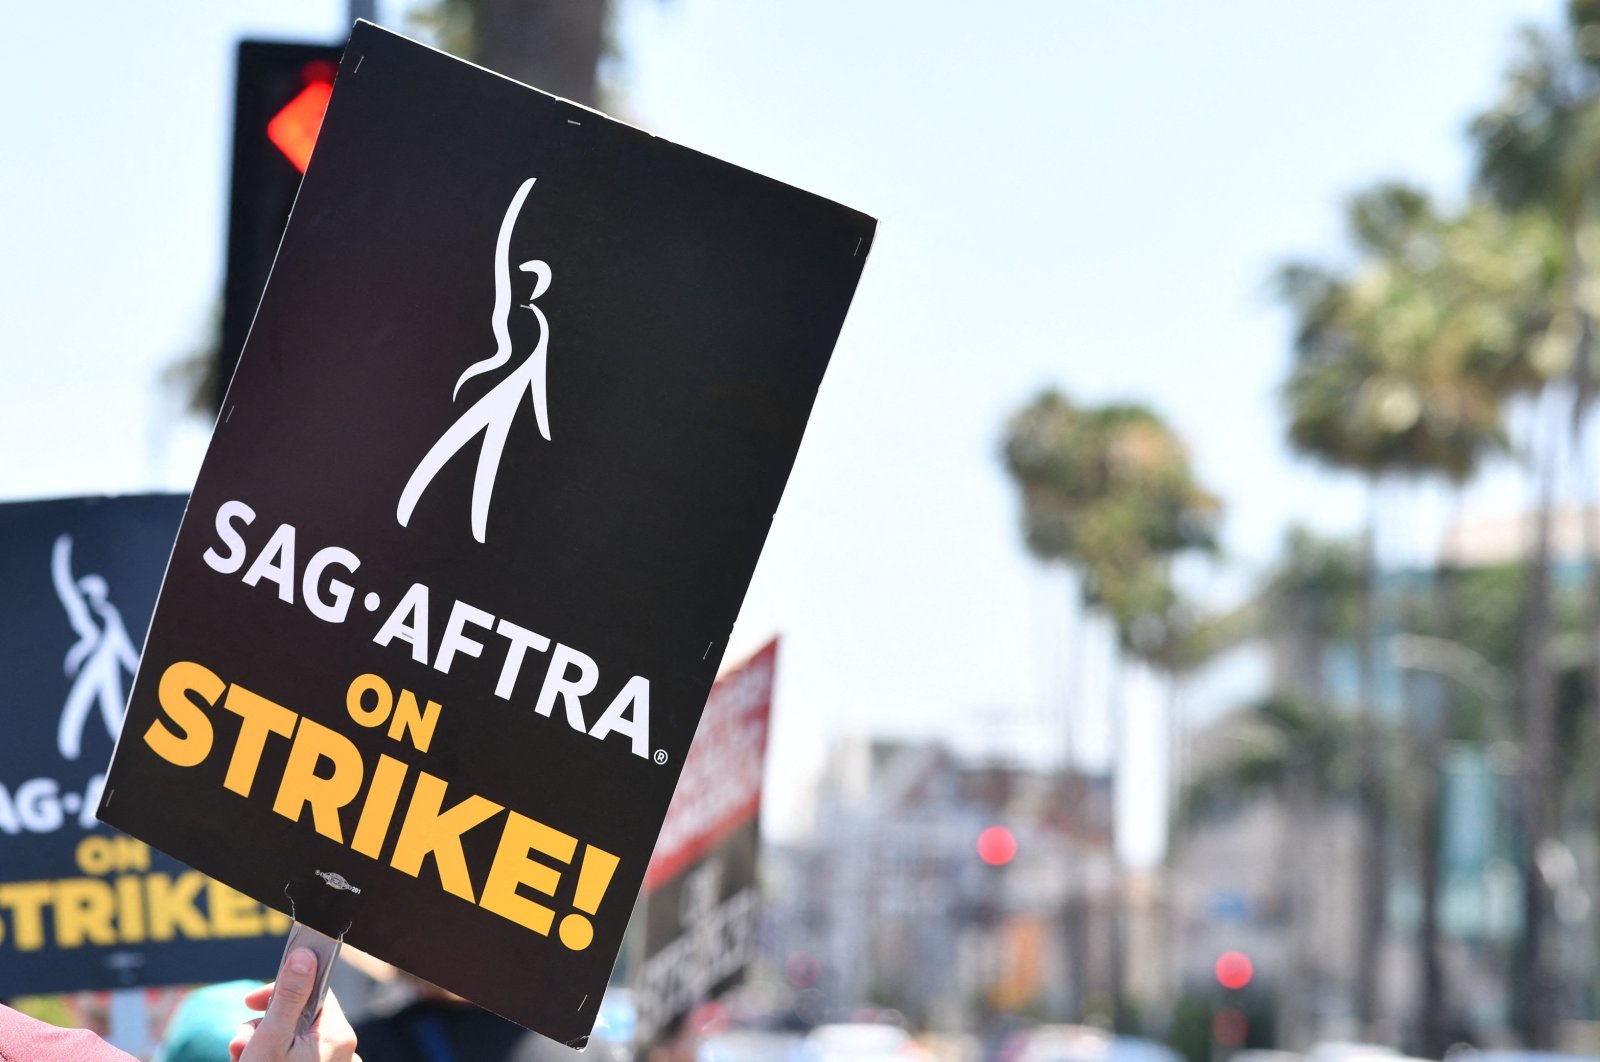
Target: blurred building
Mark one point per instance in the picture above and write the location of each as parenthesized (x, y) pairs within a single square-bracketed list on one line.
[(1274, 869), (889, 904)]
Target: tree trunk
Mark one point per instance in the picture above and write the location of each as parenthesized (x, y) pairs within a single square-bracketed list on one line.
[(1075, 923), (1117, 965), (1309, 615), (1535, 992), (1431, 1035), (1589, 476), (554, 45), (1373, 863), (1171, 976), (1300, 819)]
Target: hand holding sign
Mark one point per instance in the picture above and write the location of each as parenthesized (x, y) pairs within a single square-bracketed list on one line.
[(272, 1038)]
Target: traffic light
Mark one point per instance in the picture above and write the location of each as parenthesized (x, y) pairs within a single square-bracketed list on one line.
[(1230, 1026), (1234, 970), (281, 91), (997, 846)]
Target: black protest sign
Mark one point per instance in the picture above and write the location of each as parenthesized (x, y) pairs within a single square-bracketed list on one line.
[(81, 905), (701, 903), (481, 506), (700, 934)]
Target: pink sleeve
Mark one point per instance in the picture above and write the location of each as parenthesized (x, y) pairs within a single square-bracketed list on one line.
[(23, 1039)]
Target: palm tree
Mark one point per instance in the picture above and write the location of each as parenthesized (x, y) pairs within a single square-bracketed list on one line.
[(1539, 154), (1109, 492), (1399, 369), (1052, 453)]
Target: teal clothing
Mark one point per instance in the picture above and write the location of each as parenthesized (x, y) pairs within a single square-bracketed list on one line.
[(205, 1021)]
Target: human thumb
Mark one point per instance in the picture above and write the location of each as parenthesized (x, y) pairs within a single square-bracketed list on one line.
[(290, 994)]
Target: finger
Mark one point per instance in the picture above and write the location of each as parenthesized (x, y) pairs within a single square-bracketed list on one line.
[(257, 998), (290, 994), (333, 1019), (241, 1039), (334, 1034)]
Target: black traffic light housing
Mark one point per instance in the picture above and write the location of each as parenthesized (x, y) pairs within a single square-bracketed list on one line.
[(271, 76)]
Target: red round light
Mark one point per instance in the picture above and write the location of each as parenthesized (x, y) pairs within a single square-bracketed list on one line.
[(1234, 969), (997, 846), (293, 130)]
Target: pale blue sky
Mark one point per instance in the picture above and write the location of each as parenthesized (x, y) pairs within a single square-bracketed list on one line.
[(1087, 193)]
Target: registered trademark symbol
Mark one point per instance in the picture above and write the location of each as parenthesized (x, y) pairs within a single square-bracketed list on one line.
[(661, 756)]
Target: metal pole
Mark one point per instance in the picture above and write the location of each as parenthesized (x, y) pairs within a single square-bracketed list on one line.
[(128, 1022)]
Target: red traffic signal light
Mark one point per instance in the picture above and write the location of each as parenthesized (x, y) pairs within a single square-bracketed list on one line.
[(1234, 969), (997, 846), (293, 130), (280, 93)]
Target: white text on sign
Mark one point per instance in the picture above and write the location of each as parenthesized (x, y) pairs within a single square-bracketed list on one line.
[(570, 675)]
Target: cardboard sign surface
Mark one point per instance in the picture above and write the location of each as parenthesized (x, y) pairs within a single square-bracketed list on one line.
[(81, 905), (701, 902), (485, 495)]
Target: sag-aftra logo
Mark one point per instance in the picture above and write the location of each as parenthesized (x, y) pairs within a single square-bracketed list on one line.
[(492, 415), (94, 665)]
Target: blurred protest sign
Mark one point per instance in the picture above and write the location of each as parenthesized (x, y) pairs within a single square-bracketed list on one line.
[(81, 905), (485, 495), (700, 897)]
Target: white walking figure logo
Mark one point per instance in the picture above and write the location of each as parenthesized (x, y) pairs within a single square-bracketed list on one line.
[(493, 413), (95, 662)]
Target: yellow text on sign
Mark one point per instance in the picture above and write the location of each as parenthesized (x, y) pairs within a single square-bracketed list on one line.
[(325, 773), (134, 906)]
